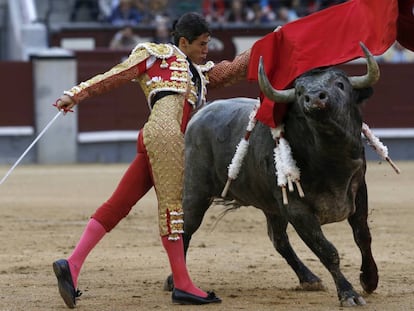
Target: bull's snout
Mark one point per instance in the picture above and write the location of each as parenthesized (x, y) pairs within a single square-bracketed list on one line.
[(316, 100)]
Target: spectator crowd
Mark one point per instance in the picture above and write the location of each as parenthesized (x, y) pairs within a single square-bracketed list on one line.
[(135, 12), (160, 14)]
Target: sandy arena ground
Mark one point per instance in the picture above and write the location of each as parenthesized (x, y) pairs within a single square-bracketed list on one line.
[(43, 210)]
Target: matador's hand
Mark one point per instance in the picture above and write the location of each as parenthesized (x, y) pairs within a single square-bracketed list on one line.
[(65, 103)]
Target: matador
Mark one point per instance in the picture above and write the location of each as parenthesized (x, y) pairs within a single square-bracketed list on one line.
[(174, 79)]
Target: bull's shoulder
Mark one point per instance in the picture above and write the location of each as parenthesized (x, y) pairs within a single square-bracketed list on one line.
[(221, 119), (232, 103), (224, 108)]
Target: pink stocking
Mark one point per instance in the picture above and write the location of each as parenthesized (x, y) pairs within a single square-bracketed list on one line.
[(182, 280), (92, 234)]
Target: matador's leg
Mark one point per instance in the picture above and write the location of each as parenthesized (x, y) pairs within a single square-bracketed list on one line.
[(164, 143)]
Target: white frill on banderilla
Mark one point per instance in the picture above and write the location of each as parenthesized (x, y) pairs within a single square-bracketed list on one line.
[(286, 169), (241, 150), (378, 146)]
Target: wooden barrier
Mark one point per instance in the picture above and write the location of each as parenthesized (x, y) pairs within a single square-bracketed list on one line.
[(17, 108), (125, 108)]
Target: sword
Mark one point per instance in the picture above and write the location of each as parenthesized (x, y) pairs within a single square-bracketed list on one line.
[(31, 145)]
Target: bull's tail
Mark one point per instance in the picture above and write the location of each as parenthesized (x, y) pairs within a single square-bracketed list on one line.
[(229, 206)]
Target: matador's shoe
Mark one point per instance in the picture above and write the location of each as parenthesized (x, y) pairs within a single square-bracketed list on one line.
[(65, 283), (184, 298)]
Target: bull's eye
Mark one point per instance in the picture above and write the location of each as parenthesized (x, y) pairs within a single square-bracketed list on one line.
[(340, 85)]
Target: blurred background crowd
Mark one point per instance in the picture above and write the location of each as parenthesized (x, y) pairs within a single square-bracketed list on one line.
[(21, 31), (224, 12), (220, 13)]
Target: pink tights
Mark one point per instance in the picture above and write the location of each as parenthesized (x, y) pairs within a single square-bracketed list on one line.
[(135, 183)]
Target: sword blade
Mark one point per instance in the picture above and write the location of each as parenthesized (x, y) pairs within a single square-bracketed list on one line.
[(30, 146)]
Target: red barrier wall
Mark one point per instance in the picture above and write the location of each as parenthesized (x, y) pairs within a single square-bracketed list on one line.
[(16, 87), (125, 108)]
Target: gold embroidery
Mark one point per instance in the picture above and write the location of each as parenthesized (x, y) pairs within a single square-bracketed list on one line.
[(164, 64), (179, 65), (179, 76), (164, 143), (117, 75), (162, 51), (206, 67), (178, 84)]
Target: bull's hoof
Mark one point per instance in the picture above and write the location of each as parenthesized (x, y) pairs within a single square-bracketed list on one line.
[(369, 282), (351, 299), (311, 286), (169, 284)]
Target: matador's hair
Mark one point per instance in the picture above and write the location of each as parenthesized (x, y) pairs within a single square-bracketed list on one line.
[(190, 26)]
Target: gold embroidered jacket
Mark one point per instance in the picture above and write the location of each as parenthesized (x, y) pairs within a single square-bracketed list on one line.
[(163, 67)]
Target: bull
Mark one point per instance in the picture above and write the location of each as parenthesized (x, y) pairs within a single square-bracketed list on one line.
[(323, 126)]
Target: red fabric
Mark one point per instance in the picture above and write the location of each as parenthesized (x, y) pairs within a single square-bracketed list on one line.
[(181, 277), (405, 23), (91, 236), (211, 7), (186, 115), (135, 183), (328, 37)]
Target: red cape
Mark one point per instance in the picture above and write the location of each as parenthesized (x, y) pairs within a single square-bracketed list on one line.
[(328, 37)]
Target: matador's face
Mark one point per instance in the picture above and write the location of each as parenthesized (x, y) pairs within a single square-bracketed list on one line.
[(197, 50)]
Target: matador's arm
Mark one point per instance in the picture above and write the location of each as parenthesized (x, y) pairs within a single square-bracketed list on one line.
[(126, 71), (228, 73)]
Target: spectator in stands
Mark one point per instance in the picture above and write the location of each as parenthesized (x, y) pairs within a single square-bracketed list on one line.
[(161, 30), (125, 13), (91, 6), (157, 9), (286, 15), (106, 7), (323, 4), (124, 39), (214, 11), (397, 54), (309, 7), (180, 7), (239, 12), (263, 11)]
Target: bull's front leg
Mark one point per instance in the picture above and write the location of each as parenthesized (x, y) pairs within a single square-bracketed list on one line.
[(309, 229), (276, 230), (362, 236)]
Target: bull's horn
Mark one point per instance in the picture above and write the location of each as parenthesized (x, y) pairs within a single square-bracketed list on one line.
[(372, 75), (283, 96)]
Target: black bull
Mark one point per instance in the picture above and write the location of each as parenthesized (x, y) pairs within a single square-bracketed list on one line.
[(323, 127)]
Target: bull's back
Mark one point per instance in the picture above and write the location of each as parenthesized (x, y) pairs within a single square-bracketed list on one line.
[(211, 139), (219, 123), (222, 112)]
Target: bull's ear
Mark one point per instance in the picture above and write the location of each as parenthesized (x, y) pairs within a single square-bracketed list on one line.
[(364, 94)]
